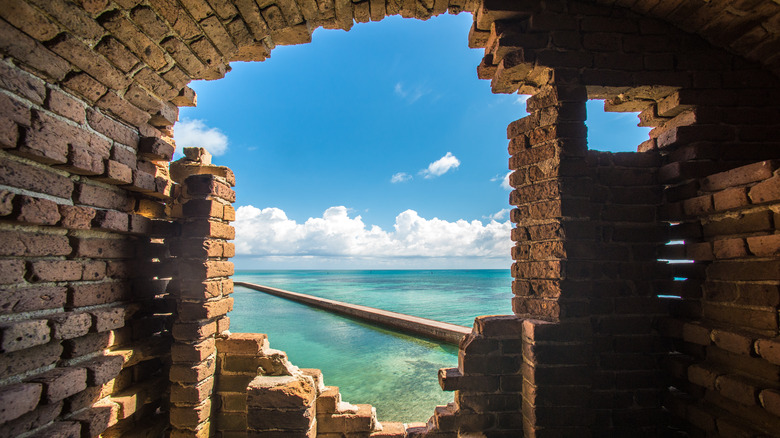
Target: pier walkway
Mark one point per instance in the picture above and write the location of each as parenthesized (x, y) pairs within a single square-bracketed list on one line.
[(440, 331)]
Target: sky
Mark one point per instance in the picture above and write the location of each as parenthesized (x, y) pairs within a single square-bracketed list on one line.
[(377, 148)]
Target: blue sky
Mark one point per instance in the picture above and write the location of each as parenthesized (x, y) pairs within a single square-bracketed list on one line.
[(376, 148)]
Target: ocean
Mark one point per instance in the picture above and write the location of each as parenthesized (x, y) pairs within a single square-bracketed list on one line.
[(396, 373)]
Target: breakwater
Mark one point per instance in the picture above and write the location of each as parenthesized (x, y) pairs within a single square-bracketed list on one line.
[(440, 331)]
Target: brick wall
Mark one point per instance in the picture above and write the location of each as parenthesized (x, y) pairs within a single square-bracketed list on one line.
[(101, 334)]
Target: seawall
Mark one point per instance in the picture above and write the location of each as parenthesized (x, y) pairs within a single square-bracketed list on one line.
[(440, 331)]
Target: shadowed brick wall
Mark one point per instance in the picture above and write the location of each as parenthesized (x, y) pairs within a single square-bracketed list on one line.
[(114, 272)]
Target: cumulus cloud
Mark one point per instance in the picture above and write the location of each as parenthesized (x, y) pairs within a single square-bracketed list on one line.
[(269, 232), (441, 166), (195, 133), (400, 177)]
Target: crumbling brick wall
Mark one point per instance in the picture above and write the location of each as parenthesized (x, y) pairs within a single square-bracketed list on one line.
[(100, 334)]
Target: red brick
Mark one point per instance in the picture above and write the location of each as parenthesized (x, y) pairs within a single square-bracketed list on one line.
[(207, 229), (60, 429), (95, 419), (108, 319), (36, 210), (739, 176), (85, 86), (730, 198), (737, 389), (17, 243), (76, 217), (66, 106), (22, 83), (193, 373), (32, 298), (90, 294), (192, 353), (20, 335), (88, 60), (104, 198), (18, 399), (243, 343), (742, 223), (193, 331), (84, 345), (764, 246), (208, 310), (103, 369), (70, 325), (116, 173), (34, 178), (54, 270), (47, 139), (94, 270), (112, 129), (766, 191), (769, 350), (135, 40), (208, 185), (29, 359), (104, 248), (6, 202), (11, 271), (111, 220), (729, 248), (31, 53), (117, 53)]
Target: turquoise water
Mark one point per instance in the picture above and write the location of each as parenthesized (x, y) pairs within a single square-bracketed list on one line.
[(394, 372)]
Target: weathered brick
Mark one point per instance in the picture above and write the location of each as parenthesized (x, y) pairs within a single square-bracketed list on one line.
[(103, 369), (104, 248), (202, 270), (24, 334), (32, 298), (189, 417), (17, 243), (766, 191), (197, 352), (243, 343), (36, 210), (11, 271), (208, 310), (84, 345), (122, 109), (739, 176), (32, 53), (104, 198), (41, 416), (112, 129), (54, 270), (192, 393), (193, 373), (29, 359), (17, 400), (70, 325), (769, 350), (111, 220), (66, 106), (76, 217), (33, 178), (90, 294)]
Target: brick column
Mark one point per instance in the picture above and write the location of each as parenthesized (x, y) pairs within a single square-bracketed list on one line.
[(201, 288), (553, 258)]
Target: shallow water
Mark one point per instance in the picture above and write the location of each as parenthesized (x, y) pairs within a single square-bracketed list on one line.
[(394, 372)]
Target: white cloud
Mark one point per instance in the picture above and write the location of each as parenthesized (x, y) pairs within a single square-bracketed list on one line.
[(410, 95), (400, 177), (504, 180), (195, 133), (441, 166), (269, 232), (522, 98), (499, 215)]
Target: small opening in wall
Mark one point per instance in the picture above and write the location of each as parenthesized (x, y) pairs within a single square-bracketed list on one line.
[(613, 131)]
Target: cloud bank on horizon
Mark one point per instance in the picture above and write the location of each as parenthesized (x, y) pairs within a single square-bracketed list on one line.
[(268, 232)]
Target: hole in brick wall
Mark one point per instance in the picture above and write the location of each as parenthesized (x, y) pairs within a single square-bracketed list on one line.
[(366, 128), (613, 131)]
